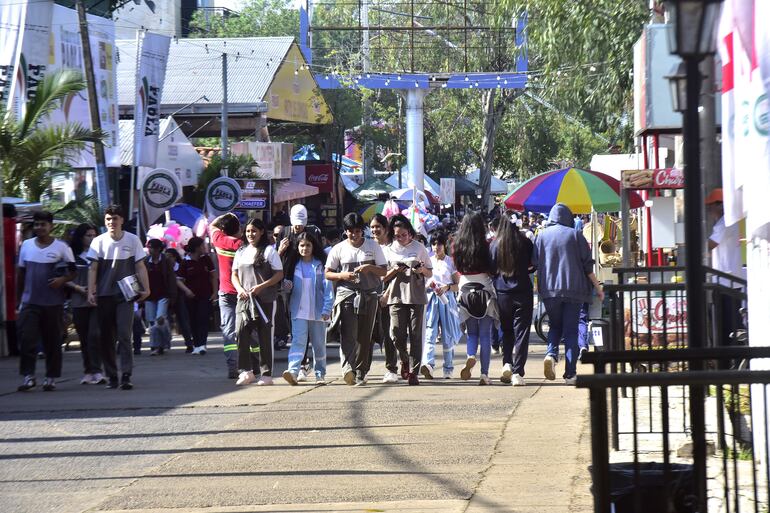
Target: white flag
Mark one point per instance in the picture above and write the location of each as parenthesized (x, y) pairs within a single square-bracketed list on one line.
[(11, 25), (222, 195), (152, 56), (160, 190)]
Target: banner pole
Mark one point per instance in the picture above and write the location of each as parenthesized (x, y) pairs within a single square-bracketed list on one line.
[(134, 167)]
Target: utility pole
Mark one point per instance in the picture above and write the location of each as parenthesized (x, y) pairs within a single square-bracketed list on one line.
[(224, 113), (102, 189)]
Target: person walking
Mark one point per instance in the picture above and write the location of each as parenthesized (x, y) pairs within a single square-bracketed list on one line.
[(477, 300), (163, 289), (225, 233), (564, 278), (441, 311), (45, 265), (257, 273), (355, 265), (180, 312), (310, 306), (512, 261), (84, 313), (116, 255), (378, 227), (408, 267), (200, 286)]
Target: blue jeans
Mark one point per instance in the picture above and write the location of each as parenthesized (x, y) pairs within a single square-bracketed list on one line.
[(480, 339), (563, 321), (155, 309), (301, 329), (227, 303), (438, 314), (583, 327)]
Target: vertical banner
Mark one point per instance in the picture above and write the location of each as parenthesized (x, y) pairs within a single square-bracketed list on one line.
[(160, 190), (11, 29), (222, 195), (151, 59), (447, 191)]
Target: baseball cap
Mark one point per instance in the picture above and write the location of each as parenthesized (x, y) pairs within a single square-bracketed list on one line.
[(714, 196), (298, 215)]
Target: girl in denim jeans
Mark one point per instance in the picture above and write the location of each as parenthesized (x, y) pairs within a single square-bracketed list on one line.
[(310, 306)]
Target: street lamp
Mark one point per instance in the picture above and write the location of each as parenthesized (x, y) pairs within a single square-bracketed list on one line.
[(692, 22), (677, 81)]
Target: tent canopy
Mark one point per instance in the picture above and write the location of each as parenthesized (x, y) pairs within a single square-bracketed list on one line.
[(497, 186)]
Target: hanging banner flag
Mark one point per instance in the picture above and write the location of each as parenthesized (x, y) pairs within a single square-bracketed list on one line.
[(447, 190), (160, 190), (222, 195), (733, 195), (11, 25), (151, 59)]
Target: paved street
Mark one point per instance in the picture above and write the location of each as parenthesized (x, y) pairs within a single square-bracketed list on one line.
[(186, 439)]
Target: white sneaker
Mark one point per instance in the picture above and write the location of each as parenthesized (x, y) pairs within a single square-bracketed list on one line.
[(320, 380), (98, 379), (202, 350), (518, 380), (427, 371), (302, 375), (290, 377), (570, 381), (390, 377), (484, 380), (87, 379), (549, 366), (197, 350), (265, 381), (447, 374), (465, 373), (245, 378), (505, 377)]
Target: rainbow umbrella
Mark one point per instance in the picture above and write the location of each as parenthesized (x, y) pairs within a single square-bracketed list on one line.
[(581, 190)]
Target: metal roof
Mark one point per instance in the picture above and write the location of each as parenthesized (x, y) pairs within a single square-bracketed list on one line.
[(195, 68), (127, 139)]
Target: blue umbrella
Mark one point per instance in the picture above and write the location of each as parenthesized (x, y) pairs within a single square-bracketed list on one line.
[(186, 215)]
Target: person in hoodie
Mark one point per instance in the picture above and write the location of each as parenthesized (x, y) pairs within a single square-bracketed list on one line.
[(565, 275)]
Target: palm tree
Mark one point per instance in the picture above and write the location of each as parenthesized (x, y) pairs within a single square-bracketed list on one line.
[(31, 147)]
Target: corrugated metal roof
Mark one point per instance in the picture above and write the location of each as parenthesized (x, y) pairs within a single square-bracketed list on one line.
[(195, 68), (127, 139)]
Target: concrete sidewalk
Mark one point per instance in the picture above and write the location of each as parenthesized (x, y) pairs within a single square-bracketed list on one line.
[(185, 439)]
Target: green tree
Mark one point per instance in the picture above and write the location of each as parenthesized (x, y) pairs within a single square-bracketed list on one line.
[(30, 148), (258, 18)]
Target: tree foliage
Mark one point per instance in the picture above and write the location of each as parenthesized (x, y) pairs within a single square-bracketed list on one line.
[(258, 18)]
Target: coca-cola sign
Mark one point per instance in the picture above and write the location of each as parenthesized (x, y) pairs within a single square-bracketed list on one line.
[(321, 176)]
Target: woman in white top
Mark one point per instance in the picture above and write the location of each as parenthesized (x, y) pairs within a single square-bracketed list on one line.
[(442, 309)]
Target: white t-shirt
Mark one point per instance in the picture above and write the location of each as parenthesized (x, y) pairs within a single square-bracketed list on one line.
[(243, 264), (305, 272), (443, 270), (40, 265), (345, 258), (726, 257), (116, 260), (408, 289)]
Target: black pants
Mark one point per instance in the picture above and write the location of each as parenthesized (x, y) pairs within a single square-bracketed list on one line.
[(41, 324), (182, 317), (515, 321), (87, 327), (406, 323), (115, 334), (282, 322), (255, 339), (200, 316)]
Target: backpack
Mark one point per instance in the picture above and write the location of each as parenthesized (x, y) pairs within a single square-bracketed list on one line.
[(474, 298)]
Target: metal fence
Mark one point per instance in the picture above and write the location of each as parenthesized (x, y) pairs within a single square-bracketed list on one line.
[(696, 440)]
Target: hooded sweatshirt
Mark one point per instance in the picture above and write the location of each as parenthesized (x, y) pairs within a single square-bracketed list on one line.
[(563, 259)]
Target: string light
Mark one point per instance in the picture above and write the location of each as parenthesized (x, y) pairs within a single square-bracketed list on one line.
[(592, 68)]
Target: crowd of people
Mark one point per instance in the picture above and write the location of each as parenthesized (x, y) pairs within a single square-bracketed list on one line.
[(377, 283)]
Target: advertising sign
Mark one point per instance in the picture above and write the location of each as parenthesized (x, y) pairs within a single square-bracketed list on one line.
[(321, 176), (11, 22), (255, 194), (150, 75), (160, 191), (669, 178), (652, 314), (447, 191), (222, 195)]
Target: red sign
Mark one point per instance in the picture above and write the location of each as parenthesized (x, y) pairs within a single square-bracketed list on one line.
[(670, 178), (321, 176)]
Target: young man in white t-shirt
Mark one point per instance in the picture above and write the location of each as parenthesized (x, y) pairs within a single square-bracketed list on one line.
[(355, 265), (45, 265), (115, 255)]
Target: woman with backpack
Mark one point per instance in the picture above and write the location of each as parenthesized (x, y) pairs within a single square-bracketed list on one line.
[(310, 306), (512, 259), (477, 300), (257, 271)]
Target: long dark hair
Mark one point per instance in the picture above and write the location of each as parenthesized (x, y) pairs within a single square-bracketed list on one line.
[(262, 242), (294, 256), (510, 243), (470, 250), (400, 221), (382, 221), (77, 237)]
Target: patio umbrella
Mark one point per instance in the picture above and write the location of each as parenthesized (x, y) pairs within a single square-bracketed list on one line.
[(371, 189), (583, 191), (185, 214), (374, 208), (408, 195)]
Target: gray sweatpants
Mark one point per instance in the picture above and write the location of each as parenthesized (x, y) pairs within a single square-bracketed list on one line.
[(406, 323), (355, 331)]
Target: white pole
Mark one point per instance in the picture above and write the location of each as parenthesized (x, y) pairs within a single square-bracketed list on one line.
[(415, 143)]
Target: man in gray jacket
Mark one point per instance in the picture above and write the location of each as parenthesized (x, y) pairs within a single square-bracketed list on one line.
[(564, 279)]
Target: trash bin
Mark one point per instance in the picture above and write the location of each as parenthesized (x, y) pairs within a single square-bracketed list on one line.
[(648, 492), (599, 333)]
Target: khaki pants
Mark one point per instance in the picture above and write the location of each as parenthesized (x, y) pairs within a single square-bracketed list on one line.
[(406, 323), (356, 333)]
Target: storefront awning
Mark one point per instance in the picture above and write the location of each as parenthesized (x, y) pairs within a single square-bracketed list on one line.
[(287, 191)]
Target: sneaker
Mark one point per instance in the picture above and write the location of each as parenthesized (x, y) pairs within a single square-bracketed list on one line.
[(202, 350), (125, 382), (495, 350), (518, 380), (265, 381), (245, 377), (320, 380), (350, 377), (98, 379), (87, 379), (583, 350), (465, 373), (413, 379), (197, 350), (505, 377), (427, 371), (549, 366), (232, 374), (113, 382), (289, 377), (447, 374), (404, 370), (28, 384), (360, 382), (390, 377), (484, 380), (155, 352), (49, 385), (570, 381), (41, 355), (302, 375)]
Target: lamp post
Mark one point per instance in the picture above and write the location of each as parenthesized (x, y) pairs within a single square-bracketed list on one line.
[(691, 36)]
